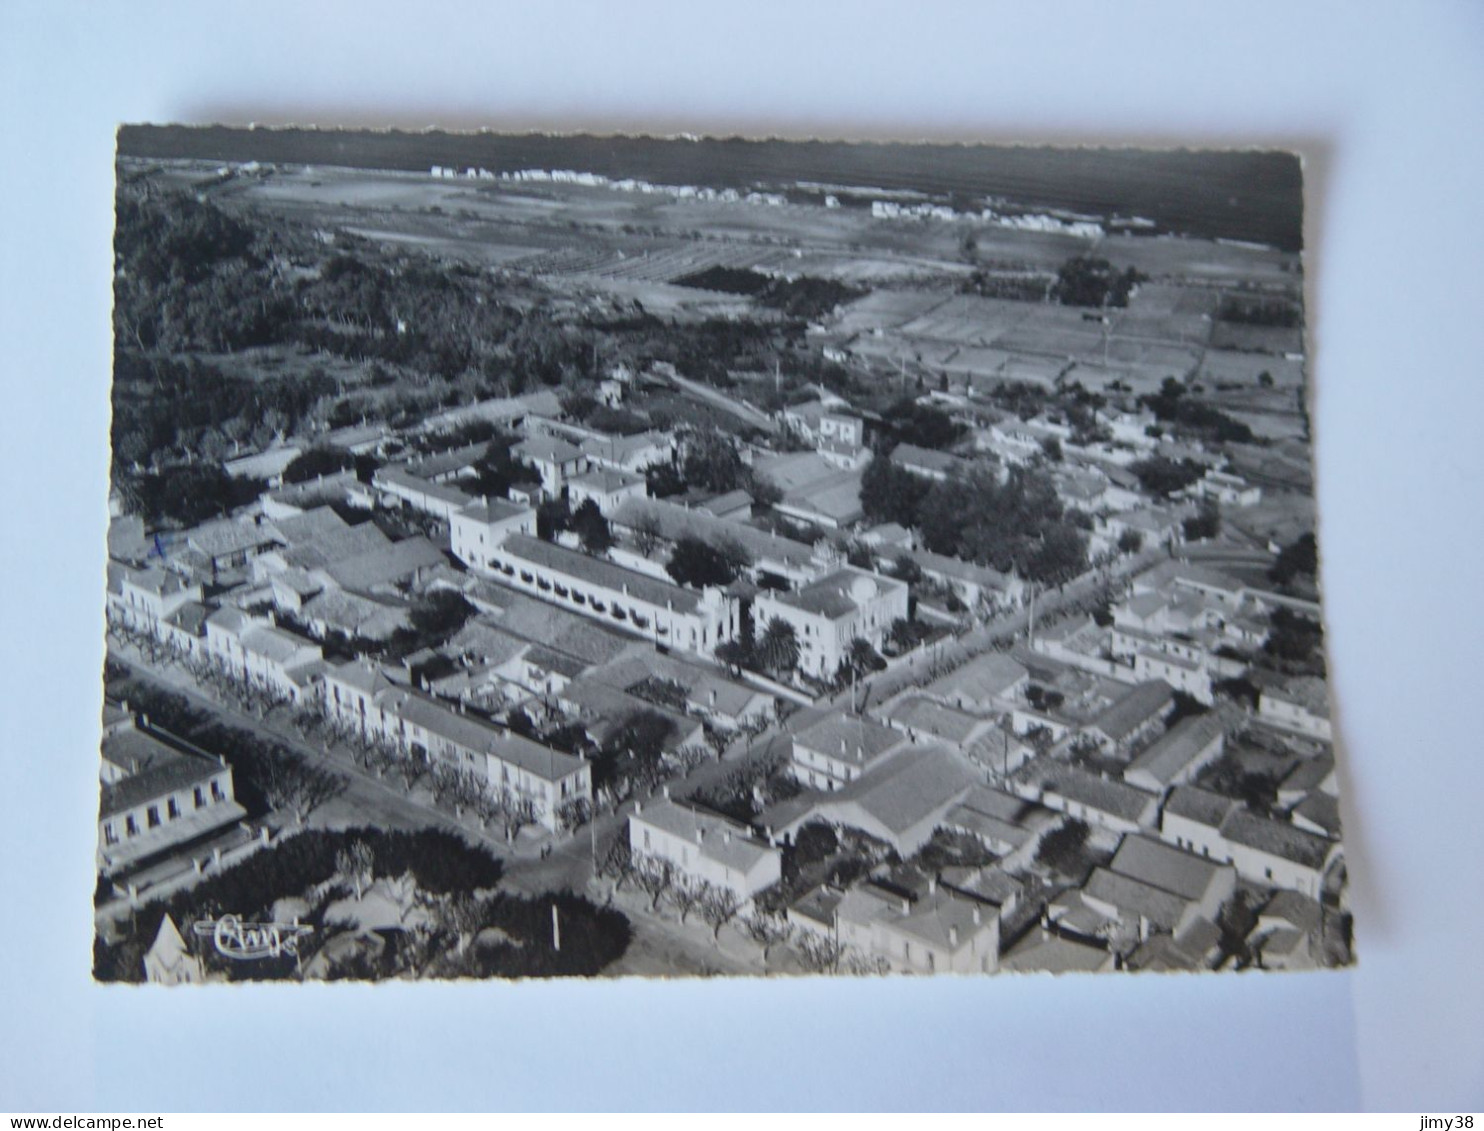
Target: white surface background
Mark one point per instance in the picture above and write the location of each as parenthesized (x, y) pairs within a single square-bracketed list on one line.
[(1393, 101)]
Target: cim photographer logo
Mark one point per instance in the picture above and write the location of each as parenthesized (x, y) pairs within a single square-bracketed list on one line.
[(245, 942)]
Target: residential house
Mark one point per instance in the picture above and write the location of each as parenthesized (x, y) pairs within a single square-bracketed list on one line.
[(631, 454), (479, 528), (399, 487), (840, 748), (606, 488), (1113, 805), (1264, 850), (158, 795), (928, 462), (1179, 754), (703, 848), (899, 801), (553, 458), (1009, 826), (1132, 718), (1300, 705), (988, 683), (940, 932)]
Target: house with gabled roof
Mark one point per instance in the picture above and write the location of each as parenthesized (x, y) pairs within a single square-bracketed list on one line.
[(553, 458), (1179, 754), (938, 931), (158, 794), (703, 848), (839, 748), (1132, 718), (1264, 850), (1113, 805), (900, 801)]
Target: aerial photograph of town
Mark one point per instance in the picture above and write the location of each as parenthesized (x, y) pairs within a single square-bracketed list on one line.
[(536, 556)]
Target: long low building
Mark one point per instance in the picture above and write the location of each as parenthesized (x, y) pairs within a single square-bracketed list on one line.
[(661, 611), (437, 499), (357, 694)]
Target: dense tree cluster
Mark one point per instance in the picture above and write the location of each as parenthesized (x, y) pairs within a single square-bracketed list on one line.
[(1300, 558), (185, 496), (592, 528), (318, 461), (1162, 476), (1193, 417), (698, 564), (1019, 524), (925, 425), (1089, 281), (804, 297), (170, 410)]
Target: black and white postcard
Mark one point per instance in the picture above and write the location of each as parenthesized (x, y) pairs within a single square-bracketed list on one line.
[(540, 555)]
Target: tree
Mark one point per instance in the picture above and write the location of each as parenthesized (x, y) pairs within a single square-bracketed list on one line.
[(1061, 556), (1298, 558), (655, 876), (686, 897), (860, 660), (574, 814), (779, 647), (1130, 542), (767, 931), (291, 783), (1204, 524), (890, 493), (1159, 475), (1061, 848), (439, 614), (698, 564), (461, 915), (820, 953), (592, 528), (315, 462), (1051, 449), (737, 653), (356, 863), (646, 534), (719, 905), (713, 462)]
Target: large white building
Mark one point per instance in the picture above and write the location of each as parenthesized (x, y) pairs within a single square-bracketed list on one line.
[(660, 611), (831, 612)]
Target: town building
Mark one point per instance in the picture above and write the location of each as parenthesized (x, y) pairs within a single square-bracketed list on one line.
[(553, 458), (840, 748), (703, 848), (828, 614), (606, 488), (478, 529), (636, 603), (158, 796)]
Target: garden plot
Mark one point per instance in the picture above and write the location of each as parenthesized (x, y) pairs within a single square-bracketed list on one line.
[(1220, 367), (1260, 339)]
